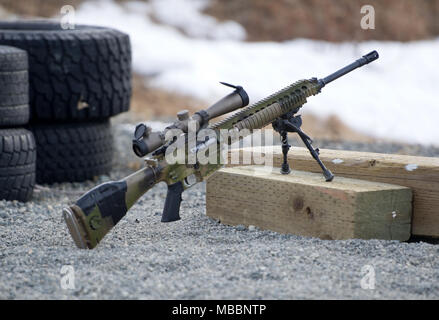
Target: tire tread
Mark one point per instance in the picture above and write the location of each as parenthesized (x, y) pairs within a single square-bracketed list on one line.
[(17, 164), (73, 152)]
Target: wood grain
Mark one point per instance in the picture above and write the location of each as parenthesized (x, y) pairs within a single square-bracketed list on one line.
[(421, 174), (302, 203)]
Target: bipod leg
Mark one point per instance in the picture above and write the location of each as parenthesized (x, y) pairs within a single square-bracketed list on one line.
[(314, 152), (285, 168)]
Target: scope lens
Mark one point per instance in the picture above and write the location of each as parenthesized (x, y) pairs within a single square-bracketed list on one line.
[(140, 148)]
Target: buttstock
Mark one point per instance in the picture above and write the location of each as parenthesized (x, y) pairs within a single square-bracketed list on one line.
[(100, 209)]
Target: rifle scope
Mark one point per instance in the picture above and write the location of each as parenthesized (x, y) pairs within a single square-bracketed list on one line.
[(146, 141)]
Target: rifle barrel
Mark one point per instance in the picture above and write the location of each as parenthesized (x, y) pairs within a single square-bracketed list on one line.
[(371, 56)]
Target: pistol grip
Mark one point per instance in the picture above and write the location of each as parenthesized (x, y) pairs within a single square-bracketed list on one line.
[(171, 211)]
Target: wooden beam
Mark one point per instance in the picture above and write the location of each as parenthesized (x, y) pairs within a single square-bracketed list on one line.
[(302, 203), (421, 174)]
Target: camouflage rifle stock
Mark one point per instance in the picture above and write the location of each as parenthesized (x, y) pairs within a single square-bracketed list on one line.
[(100, 209)]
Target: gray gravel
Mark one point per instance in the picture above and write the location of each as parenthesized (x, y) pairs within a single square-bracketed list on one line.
[(196, 257)]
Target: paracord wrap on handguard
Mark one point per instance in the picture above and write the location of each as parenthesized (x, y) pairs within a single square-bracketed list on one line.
[(267, 110)]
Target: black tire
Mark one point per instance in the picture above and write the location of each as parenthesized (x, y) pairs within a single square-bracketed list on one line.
[(12, 59), (73, 152), (14, 87), (78, 74), (17, 164)]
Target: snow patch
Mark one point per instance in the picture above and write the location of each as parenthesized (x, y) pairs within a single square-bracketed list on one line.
[(411, 167), (337, 161), (186, 15), (382, 99)]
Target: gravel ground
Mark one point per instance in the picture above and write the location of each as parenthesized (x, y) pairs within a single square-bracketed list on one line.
[(196, 257)]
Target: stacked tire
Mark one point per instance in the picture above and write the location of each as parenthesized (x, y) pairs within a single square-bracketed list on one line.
[(17, 145), (78, 79)]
